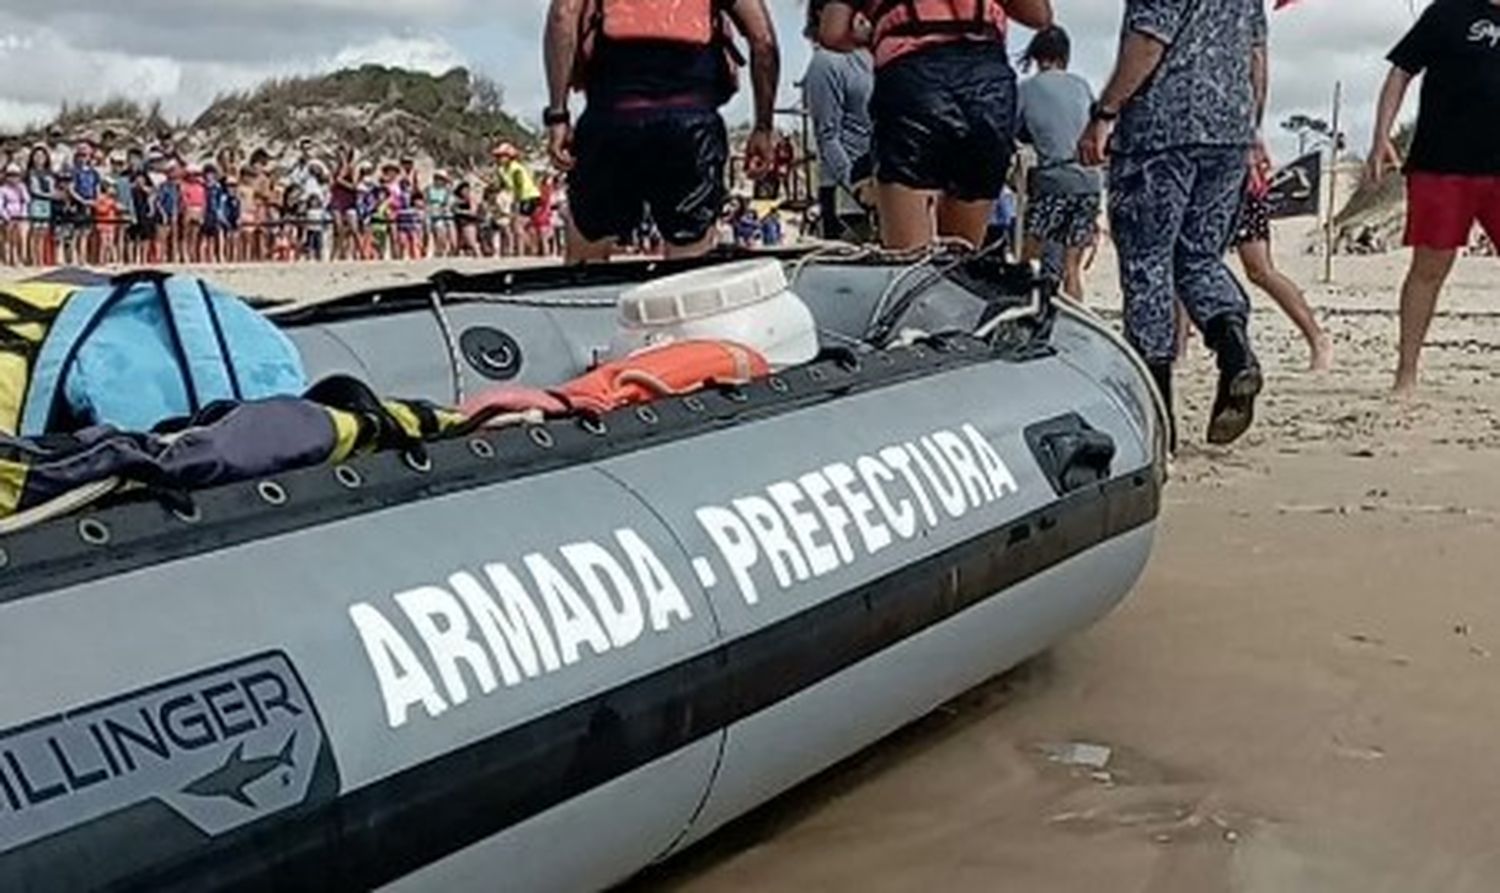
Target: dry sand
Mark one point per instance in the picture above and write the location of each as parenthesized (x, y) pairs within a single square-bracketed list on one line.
[(1302, 695)]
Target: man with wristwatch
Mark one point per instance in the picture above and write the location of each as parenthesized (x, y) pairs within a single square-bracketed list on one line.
[(655, 74), (1184, 108)]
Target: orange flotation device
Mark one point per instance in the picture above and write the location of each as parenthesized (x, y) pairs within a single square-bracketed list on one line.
[(903, 26), (507, 406), (696, 23), (673, 369), (670, 370)]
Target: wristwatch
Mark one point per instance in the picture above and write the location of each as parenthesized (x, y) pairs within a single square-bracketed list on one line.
[(1098, 112), (556, 117)]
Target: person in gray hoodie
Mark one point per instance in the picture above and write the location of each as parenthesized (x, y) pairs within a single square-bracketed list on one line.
[(836, 92)]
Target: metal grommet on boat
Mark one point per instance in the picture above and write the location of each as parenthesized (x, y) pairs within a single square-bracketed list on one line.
[(919, 352), (886, 358), (779, 384), (482, 448), (736, 394), (349, 476), (190, 515), (4, 558), (647, 415), (272, 493), (694, 404), (594, 426), (94, 532), (542, 437), (418, 461), (817, 374)]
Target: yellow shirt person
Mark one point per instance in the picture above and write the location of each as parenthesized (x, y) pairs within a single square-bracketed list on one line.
[(516, 177)]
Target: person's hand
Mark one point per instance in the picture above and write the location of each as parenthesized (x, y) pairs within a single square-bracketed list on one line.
[(1093, 146), (1260, 169), (560, 146), (864, 192), (758, 152), (1260, 157), (1384, 158)]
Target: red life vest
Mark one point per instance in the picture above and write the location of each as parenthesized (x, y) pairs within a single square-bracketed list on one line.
[(903, 26), (693, 23)]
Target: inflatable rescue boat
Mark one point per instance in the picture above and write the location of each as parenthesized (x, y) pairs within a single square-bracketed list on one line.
[(547, 653)]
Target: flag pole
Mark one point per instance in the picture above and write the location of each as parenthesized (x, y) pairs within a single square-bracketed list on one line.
[(1333, 183)]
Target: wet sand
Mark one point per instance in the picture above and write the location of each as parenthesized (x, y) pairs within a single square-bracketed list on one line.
[(1302, 695)]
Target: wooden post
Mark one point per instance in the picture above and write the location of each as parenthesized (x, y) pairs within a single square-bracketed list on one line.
[(1333, 184)]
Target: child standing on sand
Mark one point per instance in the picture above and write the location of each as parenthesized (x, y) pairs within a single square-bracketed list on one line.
[(107, 217), (1253, 242)]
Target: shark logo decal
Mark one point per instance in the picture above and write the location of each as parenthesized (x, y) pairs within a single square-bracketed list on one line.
[(213, 752), (231, 779)]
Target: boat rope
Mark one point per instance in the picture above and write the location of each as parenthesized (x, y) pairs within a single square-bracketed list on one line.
[(535, 302), (66, 504), (450, 340), (967, 254)]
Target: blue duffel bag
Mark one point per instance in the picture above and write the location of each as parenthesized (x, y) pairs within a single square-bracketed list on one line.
[(151, 347)]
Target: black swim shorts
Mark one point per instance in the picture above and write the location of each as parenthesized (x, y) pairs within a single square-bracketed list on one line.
[(945, 119), (669, 160)]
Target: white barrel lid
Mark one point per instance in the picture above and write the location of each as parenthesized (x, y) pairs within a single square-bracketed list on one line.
[(702, 293)]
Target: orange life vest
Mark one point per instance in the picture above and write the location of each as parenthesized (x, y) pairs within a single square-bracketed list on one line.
[(903, 26), (695, 23), (678, 368)]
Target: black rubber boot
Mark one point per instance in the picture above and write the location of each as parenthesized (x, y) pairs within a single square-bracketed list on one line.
[(1240, 379), (1162, 372)]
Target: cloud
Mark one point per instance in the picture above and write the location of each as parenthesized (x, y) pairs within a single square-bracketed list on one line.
[(184, 52), (60, 70)]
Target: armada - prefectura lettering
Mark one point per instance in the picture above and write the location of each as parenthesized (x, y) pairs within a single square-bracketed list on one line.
[(826, 519), (509, 623)]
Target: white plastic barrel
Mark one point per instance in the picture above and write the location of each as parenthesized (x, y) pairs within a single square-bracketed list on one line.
[(749, 302)]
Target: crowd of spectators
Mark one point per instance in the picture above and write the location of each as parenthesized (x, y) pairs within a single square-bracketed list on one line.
[(95, 201), (104, 201)]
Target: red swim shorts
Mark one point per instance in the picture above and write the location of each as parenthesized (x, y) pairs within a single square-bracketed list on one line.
[(1441, 209)]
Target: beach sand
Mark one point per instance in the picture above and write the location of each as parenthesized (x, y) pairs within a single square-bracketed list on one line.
[(1302, 695)]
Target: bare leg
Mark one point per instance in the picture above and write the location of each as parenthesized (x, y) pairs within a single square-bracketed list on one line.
[(1073, 274), (905, 217), (1424, 282), (581, 251), (1256, 258), (1031, 249), (964, 220)]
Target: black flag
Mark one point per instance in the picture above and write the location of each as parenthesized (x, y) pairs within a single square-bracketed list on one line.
[(1296, 190)]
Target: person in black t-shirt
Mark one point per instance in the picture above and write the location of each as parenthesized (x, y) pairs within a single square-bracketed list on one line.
[(1453, 174), (655, 73)]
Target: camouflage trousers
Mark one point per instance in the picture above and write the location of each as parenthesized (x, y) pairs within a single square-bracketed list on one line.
[(1173, 214)]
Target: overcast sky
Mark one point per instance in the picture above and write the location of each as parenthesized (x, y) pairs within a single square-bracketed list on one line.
[(184, 52)]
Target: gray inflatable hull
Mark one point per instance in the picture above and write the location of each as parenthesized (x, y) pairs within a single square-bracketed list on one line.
[(556, 655)]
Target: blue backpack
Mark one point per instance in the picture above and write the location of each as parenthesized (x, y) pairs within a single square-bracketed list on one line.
[(152, 347)]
